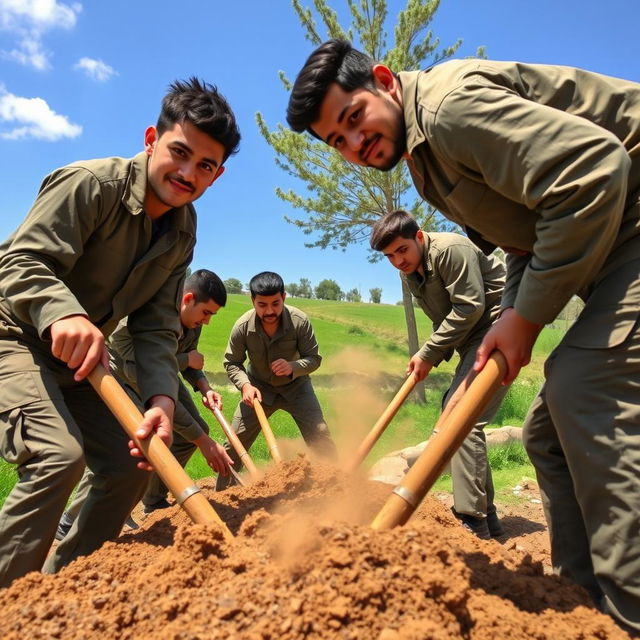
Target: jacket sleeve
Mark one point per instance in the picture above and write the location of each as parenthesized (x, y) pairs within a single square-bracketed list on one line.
[(46, 246), (458, 267), (235, 356), (309, 359), (155, 328), (568, 170), (191, 375)]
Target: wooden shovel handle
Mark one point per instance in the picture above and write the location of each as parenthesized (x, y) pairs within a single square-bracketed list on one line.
[(155, 450), (453, 429), (234, 441), (381, 424), (266, 429)]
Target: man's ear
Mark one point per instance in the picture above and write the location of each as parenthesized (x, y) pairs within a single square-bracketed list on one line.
[(219, 172), (284, 295), (420, 236), (150, 139), (187, 297), (384, 77)]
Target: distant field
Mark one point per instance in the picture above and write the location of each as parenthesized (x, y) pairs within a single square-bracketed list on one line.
[(364, 357)]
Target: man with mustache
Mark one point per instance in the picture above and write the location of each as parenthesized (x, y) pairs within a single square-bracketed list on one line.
[(282, 351), (543, 161), (105, 239)]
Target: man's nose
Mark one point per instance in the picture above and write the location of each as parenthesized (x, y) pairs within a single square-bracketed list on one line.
[(354, 140)]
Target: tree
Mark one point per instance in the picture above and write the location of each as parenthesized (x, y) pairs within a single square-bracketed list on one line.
[(293, 290), (353, 295), (233, 285), (375, 295), (305, 290), (329, 290), (343, 201)]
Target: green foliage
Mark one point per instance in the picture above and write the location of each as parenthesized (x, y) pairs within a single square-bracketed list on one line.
[(353, 296), (517, 402), (329, 290), (342, 201), (505, 456), (375, 295), (233, 285)]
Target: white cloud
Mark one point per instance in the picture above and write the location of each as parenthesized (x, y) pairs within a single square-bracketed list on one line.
[(33, 118), (96, 69), (28, 20)]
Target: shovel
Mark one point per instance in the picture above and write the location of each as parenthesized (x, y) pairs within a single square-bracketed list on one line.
[(454, 425), (381, 424), (186, 493), (234, 441), (266, 429)]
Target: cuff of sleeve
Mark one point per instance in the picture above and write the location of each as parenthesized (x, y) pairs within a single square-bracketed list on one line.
[(537, 304), (430, 355), (190, 433)]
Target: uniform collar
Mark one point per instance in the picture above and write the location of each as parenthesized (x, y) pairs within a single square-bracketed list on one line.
[(427, 263), (409, 88), (285, 322), (136, 187)]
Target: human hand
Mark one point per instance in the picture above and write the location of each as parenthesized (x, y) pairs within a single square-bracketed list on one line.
[(281, 367), (79, 343), (514, 336), (419, 367), (249, 392), (195, 359), (157, 419), (211, 399), (215, 455)]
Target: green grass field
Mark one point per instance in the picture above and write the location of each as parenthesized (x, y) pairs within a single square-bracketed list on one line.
[(364, 357)]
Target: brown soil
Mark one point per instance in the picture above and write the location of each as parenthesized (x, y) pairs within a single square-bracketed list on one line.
[(304, 564)]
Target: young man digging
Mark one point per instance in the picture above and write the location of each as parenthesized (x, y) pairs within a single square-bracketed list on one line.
[(104, 239), (203, 295), (459, 288), (543, 161), (282, 351)]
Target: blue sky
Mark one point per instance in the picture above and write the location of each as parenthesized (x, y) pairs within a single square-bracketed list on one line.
[(83, 79)]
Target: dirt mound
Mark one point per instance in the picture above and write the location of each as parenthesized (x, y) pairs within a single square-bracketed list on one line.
[(304, 564)]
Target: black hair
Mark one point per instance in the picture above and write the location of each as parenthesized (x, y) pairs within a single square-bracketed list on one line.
[(206, 285), (266, 283), (333, 61), (202, 105), (392, 225)]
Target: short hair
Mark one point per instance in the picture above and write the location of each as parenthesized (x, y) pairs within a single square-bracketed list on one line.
[(266, 283), (392, 225), (206, 285), (203, 106), (333, 61)]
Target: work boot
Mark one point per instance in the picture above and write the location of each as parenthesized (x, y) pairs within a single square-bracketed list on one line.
[(161, 504), (495, 526), (130, 524), (476, 525)]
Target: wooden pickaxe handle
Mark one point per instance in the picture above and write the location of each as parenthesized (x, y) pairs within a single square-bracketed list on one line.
[(266, 429), (381, 424), (452, 428), (234, 441), (155, 451)]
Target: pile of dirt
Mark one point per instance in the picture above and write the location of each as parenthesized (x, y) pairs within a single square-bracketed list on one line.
[(304, 564)]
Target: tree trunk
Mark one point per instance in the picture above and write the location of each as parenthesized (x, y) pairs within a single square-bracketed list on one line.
[(412, 338)]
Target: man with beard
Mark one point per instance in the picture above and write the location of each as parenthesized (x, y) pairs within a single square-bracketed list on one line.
[(282, 351), (543, 161), (104, 239)]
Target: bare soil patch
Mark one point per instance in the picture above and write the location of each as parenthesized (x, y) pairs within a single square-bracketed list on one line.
[(305, 564)]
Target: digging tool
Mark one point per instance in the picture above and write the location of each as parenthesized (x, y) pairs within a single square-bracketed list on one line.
[(266, 429), (381, 424), (452, 428), (237, 477), (186, 493), (234, 441)]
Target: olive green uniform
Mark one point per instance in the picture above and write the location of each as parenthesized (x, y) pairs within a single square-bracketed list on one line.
[(188, 424), (295, 342), (460, 292), (86, 247), (546, 159)]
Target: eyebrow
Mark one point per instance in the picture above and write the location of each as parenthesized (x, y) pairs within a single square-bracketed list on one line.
[(188, 149), (338, 121)]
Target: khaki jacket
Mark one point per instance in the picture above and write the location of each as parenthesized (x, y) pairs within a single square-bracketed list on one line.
[(86, 248), (460, 292), (294, 341), (544, 159)]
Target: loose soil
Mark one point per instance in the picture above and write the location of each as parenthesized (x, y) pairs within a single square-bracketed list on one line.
[(305, 564)]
